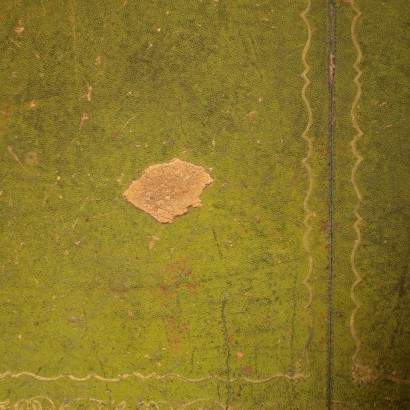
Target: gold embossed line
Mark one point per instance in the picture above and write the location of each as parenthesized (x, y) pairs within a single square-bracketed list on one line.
[(359, 158), (44, 402), (305, 162), (93, 376)]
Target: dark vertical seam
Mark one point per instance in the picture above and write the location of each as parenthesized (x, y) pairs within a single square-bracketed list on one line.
[(330, 276), (228, 352)]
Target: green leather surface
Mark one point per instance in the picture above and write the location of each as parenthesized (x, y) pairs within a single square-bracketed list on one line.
[(288, 288)]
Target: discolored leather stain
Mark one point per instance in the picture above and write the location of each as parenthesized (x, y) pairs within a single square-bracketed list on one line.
[(167, 190)]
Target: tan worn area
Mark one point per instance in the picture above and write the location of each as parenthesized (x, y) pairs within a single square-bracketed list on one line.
[(165, 191)]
